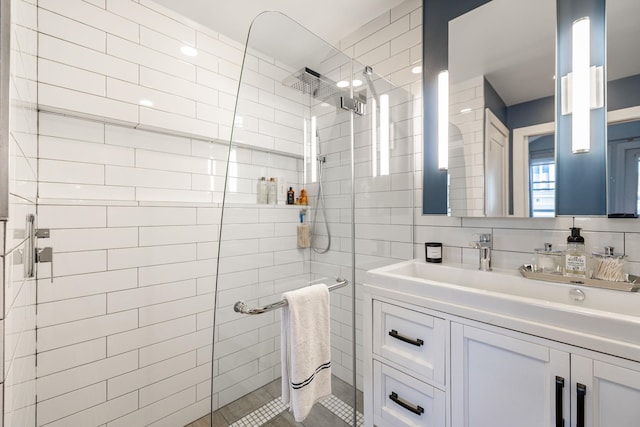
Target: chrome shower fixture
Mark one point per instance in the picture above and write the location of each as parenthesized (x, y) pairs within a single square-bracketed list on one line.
[(311, 82), (367, 73)]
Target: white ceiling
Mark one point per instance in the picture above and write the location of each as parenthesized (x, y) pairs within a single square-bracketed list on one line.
[(511, 42), (332, 20)]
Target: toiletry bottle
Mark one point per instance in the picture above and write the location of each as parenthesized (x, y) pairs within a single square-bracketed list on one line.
[(262, 191), (303, 197), (575, 256), (273, 192), (290, 196), (547, 260)]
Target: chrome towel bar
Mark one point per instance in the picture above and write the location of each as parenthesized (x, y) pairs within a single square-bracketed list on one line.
[(241, 306)]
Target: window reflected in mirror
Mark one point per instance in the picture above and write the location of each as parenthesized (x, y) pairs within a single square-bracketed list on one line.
[(542, 176)]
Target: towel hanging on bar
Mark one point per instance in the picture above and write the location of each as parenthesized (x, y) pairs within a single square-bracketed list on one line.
[(305, 349)]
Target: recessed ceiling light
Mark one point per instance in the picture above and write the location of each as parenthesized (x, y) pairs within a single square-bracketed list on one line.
[(356, 83), (417, 69), (189, 50), (342, 84), (146, 103), (465, 110)]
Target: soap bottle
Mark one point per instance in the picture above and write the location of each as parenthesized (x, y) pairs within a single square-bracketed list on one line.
[(290, 196), (575, 255), (263, 191), (273, 192)]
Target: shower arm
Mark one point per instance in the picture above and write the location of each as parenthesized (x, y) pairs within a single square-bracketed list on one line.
[(367, 75), (241, 306)]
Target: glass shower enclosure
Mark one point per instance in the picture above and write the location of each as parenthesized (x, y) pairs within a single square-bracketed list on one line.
[(312, 127)]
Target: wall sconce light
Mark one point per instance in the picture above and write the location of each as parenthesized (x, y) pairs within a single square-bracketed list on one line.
[(443, 120), (583, 88)]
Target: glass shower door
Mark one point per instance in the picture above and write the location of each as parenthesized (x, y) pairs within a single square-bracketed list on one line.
[(289, 126)]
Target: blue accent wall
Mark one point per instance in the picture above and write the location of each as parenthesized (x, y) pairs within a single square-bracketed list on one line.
[(435, 37), (531, 113), (623, 93), (581, 178), (494, 102)]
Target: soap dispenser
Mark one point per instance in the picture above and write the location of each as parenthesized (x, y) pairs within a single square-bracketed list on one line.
[(575, 255)]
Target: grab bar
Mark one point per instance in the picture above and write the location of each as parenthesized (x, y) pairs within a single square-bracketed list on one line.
[(241, 306)]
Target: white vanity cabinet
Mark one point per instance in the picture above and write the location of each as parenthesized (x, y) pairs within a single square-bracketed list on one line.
[(502, 381), (503, 378), (408, 349), (426, 367), (612, 391)]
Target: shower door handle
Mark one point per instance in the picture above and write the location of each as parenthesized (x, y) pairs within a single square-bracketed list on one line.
[(30, 247)]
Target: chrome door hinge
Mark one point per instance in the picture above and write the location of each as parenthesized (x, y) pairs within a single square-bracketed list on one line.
[(43, 233)]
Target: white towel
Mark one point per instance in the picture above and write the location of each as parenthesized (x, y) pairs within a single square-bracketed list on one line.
[(305, 349)]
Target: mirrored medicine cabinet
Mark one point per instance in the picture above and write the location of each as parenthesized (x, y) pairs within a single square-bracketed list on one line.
[(503, 126)]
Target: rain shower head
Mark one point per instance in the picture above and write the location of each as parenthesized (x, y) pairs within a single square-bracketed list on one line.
[(311, 82)]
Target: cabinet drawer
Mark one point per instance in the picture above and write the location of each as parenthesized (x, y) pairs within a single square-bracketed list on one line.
[(401, 400), (411, 339)]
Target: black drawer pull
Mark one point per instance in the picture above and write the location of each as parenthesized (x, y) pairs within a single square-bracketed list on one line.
[(417, 342), (559, 402), (581, 391), (416, 409)]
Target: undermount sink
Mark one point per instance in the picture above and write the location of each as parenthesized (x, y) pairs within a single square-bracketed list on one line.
[(504, 297)]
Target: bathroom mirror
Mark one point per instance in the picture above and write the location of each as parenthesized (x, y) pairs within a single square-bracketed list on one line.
[(623, 100), (532, 167), (501, 63)]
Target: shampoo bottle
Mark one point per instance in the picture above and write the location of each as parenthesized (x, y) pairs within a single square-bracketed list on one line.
[(263, 191), (575, 256), (273, 191)]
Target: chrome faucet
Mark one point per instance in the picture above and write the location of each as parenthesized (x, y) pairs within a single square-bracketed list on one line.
[(484, 245)]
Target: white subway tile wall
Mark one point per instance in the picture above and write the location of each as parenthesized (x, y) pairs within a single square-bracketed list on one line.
[(466, 149), (17, 294)]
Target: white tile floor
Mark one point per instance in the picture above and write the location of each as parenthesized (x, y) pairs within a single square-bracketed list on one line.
[(272, 409)]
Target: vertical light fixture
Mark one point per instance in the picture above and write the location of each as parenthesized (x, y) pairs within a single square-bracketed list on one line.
[(443, 120), (314, 149), (374, 137), (581, 86), (305, 144), (384, 134)]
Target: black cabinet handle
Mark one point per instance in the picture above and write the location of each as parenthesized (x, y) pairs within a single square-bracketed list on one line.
[(416, 409), (581, 390), (417, 342), (559, 402)]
